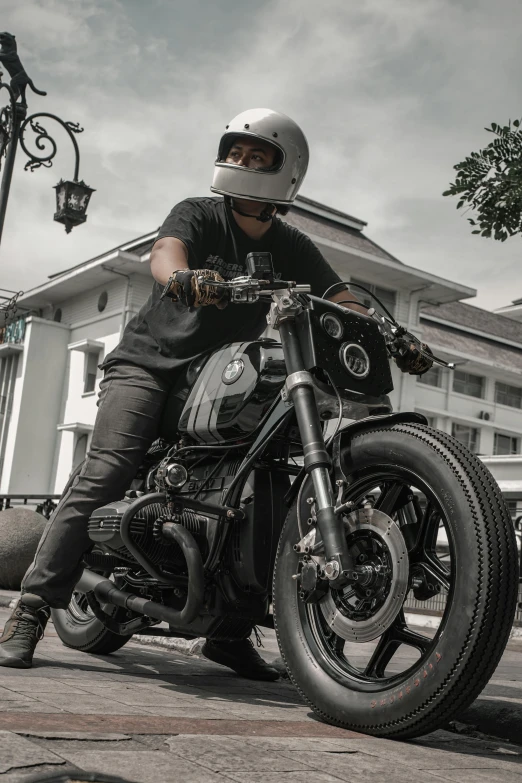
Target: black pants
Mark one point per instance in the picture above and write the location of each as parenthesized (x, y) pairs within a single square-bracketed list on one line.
[(129, 410)]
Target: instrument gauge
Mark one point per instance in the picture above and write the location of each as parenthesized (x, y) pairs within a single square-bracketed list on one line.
[(332, 325)]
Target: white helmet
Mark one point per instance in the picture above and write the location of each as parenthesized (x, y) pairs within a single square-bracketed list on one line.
[(275, 185)]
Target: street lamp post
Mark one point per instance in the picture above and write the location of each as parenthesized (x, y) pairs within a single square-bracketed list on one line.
[(72, 196)]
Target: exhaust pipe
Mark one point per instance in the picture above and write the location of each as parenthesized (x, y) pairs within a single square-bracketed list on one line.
[(107, 592)]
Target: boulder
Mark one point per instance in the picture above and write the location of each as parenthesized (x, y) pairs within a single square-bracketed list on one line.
[(20, 532)]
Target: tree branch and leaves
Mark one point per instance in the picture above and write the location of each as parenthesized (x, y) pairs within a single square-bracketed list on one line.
[(490, 182)]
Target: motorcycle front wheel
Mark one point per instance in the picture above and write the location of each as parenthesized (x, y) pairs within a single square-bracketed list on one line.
[(405, 651)]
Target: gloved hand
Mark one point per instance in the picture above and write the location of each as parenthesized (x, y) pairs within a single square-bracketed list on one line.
[(183, 286), (409, 359)]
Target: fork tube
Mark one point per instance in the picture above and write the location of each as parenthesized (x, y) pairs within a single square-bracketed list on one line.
[(339, 564)]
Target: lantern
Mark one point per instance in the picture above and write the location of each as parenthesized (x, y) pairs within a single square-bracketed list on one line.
[(72, 200)]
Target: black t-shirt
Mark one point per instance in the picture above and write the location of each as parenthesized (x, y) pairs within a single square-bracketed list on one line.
[(166, 335)]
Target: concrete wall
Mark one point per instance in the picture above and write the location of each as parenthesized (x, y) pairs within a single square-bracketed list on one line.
[(10, 391), (83, 308), (36, 407), (38, 455)]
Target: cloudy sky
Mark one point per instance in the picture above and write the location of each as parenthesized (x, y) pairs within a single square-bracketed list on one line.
[(390, 95)]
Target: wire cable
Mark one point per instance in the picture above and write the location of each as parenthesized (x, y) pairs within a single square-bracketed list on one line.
[(340, 416), (363, 288)]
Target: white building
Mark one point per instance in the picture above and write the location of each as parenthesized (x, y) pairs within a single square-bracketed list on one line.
[(48, 360), (480, 402)]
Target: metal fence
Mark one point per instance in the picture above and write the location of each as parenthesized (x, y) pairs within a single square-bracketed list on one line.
[(436, 605), (42, 504)]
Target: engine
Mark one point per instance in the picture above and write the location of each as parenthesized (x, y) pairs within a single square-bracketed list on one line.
[(253, 542), (203, 481)]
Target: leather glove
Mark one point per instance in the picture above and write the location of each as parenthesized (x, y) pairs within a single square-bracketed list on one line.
[(183, 286), (410, 359)]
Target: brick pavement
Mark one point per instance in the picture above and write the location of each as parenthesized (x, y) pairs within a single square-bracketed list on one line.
[(150, 714)]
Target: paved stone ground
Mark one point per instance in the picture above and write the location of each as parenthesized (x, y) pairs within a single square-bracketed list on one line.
[(151, 714)]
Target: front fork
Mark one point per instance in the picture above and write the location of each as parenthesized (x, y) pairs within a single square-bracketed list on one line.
[(339, 568)]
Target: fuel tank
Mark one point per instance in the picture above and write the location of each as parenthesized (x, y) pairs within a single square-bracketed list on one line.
[(233, 391)]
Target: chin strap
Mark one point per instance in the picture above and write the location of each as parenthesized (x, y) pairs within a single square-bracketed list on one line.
[(264, 217)]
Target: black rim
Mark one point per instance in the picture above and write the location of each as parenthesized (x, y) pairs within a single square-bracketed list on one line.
[(390, 658), (79, 609)]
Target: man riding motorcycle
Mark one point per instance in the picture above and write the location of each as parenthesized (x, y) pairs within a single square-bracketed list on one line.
[(262, 160)]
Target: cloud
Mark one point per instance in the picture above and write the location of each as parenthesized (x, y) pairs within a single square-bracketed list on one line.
[(390, 95)]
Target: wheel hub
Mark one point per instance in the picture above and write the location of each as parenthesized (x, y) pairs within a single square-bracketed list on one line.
[(363, 611)]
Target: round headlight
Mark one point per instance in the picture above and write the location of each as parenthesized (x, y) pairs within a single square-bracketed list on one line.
[(332, 325), (355, 360)]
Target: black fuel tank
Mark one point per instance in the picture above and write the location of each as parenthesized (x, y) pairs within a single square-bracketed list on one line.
[(234, 391)]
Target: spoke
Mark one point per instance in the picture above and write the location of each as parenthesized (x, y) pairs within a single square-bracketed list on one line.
[(431, 530), (428, 530), (413, 639), (338, 645), (386, 648), (437, 571), (389, 498), (396, 635)]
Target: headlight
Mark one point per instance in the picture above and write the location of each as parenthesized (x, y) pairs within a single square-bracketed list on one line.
[(355, 360), (332, 325)]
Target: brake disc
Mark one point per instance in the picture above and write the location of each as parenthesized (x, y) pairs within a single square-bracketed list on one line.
[(365, 610)]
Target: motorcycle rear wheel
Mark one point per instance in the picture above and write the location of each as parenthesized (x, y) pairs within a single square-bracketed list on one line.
[(444, 511), (78, 628)]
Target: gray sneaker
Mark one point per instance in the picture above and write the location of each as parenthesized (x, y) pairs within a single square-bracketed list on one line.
[(22, 632)]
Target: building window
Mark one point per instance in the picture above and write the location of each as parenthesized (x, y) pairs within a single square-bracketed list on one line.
[(91, 371), (433, 377), (508, 395), (468, 436), (102, 301), (466, 383), (387, 297), (505, 444)]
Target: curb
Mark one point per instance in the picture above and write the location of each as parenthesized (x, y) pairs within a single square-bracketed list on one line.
[(183, 646), (192, 648), (499, 719), (8, 598)]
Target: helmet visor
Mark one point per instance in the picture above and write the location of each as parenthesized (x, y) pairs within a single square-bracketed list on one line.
[(262, 155)]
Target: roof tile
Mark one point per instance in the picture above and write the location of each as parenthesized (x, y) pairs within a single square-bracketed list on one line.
[(475, 318), (451, 340)]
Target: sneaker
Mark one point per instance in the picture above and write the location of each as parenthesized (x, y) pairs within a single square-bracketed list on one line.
[(241, 656), (22, 632)]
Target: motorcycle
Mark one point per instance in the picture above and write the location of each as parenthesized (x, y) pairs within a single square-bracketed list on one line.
[(249, 509)]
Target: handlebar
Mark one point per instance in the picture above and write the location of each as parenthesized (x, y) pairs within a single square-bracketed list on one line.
[(249, 289), (397, 338)]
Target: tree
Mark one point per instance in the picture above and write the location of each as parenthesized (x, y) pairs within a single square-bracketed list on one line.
[(490, 182)]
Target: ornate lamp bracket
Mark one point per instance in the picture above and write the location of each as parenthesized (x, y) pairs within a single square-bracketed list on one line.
[(72, 196)]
